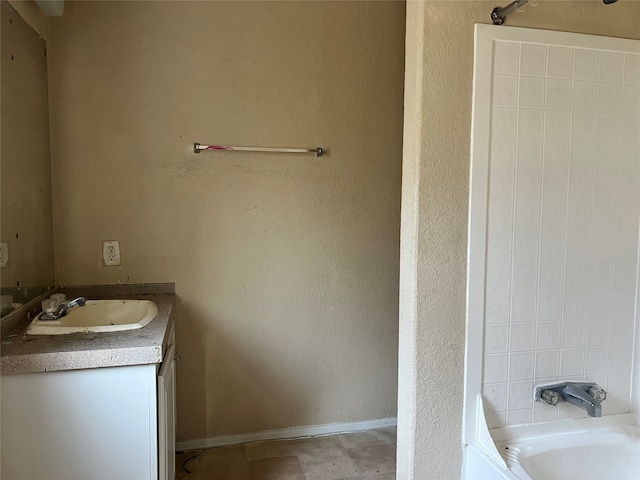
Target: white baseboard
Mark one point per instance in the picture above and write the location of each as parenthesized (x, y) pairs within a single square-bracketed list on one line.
[(294, 432)]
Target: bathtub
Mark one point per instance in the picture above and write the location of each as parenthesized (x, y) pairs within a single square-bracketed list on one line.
[(604, 449), (601, 454)]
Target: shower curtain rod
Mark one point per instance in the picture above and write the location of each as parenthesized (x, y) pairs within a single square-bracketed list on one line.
[(197, 148), (499, 14)]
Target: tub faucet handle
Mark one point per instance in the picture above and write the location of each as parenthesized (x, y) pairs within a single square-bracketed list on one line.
[(598, 394), (550, 397)]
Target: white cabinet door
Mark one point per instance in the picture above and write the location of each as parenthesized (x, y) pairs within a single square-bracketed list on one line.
[(94, 424), (167, 417)]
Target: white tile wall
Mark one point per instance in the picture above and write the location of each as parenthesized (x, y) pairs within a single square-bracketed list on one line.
[(564, 211)]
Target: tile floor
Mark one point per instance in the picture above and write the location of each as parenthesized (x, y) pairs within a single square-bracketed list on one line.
[(349, 456)]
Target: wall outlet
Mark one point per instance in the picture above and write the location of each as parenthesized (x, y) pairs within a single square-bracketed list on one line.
[(111, 253), (4, 254)]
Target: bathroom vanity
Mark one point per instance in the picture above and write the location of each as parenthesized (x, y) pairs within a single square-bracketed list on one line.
[(91, 405)]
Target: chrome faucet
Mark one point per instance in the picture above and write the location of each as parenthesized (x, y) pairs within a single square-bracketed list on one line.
[(63, 308), (585, 395)]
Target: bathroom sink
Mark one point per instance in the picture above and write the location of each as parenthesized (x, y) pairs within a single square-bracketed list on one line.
[(98, 316)]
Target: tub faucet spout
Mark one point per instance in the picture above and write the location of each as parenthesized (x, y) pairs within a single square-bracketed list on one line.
[(582, 399)]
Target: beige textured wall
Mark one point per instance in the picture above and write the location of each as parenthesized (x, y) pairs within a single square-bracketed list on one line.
[(31, 13), (434, 218), (286, 267), (25, 189)]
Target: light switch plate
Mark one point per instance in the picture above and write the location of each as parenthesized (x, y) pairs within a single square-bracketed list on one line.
[(111, 253), (4, 254)]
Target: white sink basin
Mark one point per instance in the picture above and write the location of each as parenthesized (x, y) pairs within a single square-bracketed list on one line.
[(98, 316)]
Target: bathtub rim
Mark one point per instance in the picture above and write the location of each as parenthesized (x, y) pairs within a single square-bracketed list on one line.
[(516, 433)]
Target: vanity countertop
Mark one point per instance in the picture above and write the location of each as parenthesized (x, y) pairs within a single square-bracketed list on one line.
[(22, 353)]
